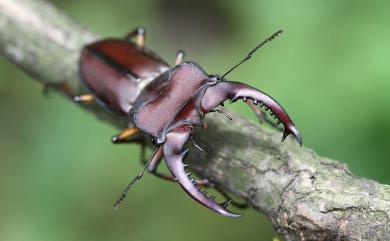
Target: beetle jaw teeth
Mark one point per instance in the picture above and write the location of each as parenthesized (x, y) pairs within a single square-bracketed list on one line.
[(212, 198), (289, 127)]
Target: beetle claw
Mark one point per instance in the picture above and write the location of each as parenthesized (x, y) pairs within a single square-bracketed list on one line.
[(234, 91), (292, 130)]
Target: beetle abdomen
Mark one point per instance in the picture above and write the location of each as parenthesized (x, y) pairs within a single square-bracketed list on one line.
[(116, 71)]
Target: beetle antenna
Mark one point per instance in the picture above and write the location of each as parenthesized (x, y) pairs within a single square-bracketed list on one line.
[(269, 39), (136, 178)]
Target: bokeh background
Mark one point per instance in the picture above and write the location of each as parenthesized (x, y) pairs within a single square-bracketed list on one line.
[(59, 174)]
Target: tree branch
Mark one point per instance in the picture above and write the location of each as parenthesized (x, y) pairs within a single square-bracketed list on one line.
[(307, 197)]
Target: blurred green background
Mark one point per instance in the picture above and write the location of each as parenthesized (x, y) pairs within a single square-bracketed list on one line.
[(59, 174)]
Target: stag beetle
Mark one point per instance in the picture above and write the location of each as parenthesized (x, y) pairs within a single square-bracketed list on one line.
[(165, 103)]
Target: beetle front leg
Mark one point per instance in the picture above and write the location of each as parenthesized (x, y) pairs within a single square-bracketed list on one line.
[(125, 134), (139, 33)]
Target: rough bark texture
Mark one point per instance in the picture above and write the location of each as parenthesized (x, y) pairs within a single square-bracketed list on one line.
[(307, 197)]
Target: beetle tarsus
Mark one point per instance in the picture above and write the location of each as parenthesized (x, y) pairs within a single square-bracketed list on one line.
[(125, 134), (222, 112), (84, 98)]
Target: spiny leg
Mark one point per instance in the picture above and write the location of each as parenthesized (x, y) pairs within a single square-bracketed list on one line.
[(65, 88), (154, 156), (179, 57), (220, 111), (84, 98), (139, 33)]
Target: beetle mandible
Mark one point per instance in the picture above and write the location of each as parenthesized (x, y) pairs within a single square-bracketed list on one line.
[(165, 103)]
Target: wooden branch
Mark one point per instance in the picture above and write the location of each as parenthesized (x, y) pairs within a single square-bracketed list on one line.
[(307, 197)]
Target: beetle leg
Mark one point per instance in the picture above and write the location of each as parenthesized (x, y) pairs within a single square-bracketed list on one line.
[(173, 155), (135, 139), (156, 161), (179, 57), (222, 112), (234, 203), (85, 98), (139, 33), (152, 168), (136, 178), (125, 134)]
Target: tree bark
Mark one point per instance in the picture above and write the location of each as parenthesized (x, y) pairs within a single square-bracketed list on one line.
[(306, 197)]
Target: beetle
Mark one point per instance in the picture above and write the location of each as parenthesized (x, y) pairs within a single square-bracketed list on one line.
[(165, 102)]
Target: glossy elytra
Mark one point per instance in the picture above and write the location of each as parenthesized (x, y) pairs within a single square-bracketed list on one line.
[(166, 103)]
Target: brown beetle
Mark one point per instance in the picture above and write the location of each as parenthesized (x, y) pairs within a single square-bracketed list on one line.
[(166, 103)]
